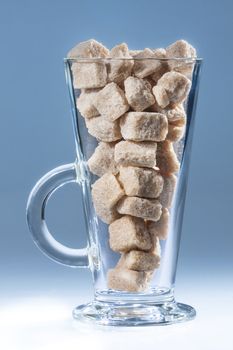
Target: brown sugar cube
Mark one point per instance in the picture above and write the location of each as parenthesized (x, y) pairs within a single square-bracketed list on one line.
[(85, 105), (89, 75), (111, 102), (144, 66), (176, 115), (171, 89), (175, 133), (141, 182), (166, 158), (119, 70), (129, 233), (108, 215), (102, 160), (173, 114), (106, 192), (139, 261), (133, 53), (156, 248), (159, 73), (88, 49), (103, 129), (144, 126), (138, 93), (127, 280), (186, 68), (160, 53), (168, 191), (176, 122), (181, 49), (149, 209), (160, 228), (136, 153)]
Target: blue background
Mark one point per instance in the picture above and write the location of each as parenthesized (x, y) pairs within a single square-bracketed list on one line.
[(36, 129)]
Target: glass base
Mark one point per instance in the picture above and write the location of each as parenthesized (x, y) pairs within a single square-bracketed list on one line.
[(127, 315)]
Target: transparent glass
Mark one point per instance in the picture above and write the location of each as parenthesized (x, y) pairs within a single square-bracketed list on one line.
[(157, 304)]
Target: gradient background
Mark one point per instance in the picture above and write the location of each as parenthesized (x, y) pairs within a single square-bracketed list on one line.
[(37, 295)]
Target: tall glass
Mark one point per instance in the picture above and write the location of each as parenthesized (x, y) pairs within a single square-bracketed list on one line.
[(156, 305)]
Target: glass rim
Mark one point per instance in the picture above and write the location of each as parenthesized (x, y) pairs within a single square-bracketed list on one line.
[(108, 59)]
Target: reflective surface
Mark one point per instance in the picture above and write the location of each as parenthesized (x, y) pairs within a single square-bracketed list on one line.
[(41, 319), (133, 314)]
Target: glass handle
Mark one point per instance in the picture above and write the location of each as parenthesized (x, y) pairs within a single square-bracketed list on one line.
[(36, 217)]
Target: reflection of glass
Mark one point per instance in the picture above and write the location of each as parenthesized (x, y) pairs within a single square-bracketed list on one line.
[(154, 306)]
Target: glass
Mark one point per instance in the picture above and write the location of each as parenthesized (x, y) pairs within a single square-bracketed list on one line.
[(156, 305)]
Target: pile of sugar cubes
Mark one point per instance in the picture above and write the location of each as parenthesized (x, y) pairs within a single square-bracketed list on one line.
[(132, 103)]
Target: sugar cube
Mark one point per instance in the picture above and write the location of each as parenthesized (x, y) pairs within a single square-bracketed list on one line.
[(171, 89), (85, 105), (144, 63), (102, 160), (144, 126), (88, 49), (176, 115), (138, 93), (166, 158), (106, 192), (141, 182), (181, 49), (111, 102), (103, 129), (175, 133), (127, 280), (136, 153), (149, 209), (140, 261), (119, 70), (88, 75), (167, 194), (160, 228), (129, 233)]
